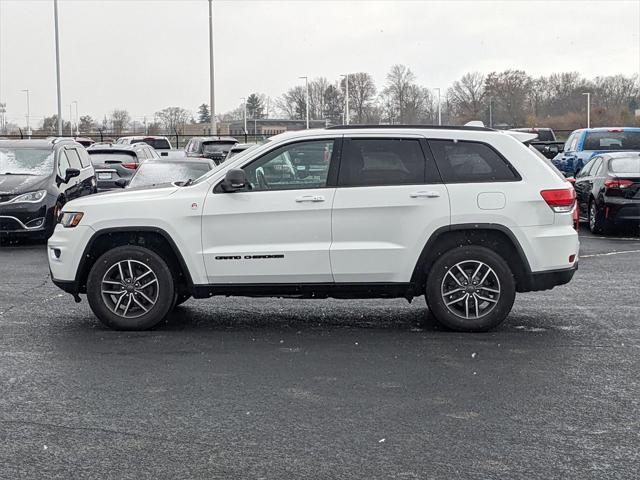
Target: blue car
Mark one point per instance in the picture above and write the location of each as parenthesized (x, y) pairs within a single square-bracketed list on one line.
[(585, 143)]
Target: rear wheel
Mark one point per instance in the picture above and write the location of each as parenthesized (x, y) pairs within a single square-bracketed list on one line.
[(597, 222), (470, 289), (130, 288)]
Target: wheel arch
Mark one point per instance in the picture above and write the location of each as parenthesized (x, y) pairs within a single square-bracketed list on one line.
[(494, 236), (155, 239)]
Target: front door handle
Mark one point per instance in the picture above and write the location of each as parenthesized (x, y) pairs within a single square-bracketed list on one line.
[(310, 198), (423, 194)]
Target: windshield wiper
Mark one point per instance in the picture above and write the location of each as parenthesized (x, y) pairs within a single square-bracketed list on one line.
[(20, 173)]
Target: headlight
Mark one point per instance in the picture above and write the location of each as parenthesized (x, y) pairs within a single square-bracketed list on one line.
[(31, 197), (70, 219)]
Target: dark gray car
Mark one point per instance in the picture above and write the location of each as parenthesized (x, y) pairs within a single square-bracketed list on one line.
[(118, 162)]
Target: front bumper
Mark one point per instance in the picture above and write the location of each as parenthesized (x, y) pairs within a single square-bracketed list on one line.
[(16, 218), (65, 250)]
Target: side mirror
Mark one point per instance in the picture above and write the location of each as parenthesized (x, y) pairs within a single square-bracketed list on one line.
[(234, 180), (121, 182), (71, 173)]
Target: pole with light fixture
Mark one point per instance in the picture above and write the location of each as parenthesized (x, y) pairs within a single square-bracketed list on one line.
[(28, 114), (244, 99), (55, 19), (77, 119), (439, 109), (212, 109), (346, 98)]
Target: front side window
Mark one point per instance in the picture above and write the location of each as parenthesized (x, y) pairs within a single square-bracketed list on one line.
[(292, 167), (586, 169), (470, 162), (74, 159), (373, 161)]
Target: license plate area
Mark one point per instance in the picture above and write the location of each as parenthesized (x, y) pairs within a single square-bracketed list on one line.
[(104, 175)]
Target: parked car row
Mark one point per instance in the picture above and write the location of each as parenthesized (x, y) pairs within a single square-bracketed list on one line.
[(37, 177)]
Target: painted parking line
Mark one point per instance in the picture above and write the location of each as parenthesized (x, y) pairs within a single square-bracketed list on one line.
[(609, 253)]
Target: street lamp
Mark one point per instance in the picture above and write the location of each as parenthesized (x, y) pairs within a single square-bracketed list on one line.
[(490, 112), (588, 94), (77, 119), (346, 99), (70, 120), (439, 109), (212, 110), (55, 17), (244, 99), (28, 113), (306, 86)]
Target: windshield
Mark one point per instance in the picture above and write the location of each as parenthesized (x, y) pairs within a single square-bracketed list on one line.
[(625, 165), (157, 143), (26, 161), (217, 147), (100, 158), (612, 140), (154, 173), (236, 157)]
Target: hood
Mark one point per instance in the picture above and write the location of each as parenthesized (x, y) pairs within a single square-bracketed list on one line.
[(120, 198), (17, 184)]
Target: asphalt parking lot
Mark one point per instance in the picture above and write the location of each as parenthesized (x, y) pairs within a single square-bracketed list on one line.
[(268, 388)]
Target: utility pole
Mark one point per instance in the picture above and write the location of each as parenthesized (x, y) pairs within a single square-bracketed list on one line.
[(212, 101), (55, 17), (28, 114), (588, 94), (490, 112), (77, 119), (70, 121), (439, 109), (346, 99), (306, 86), (244, 99)]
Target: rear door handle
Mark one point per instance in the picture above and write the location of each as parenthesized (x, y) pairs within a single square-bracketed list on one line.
[(310, 198), (423, 194)]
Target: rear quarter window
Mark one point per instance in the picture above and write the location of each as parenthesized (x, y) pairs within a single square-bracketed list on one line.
[(471, 162)]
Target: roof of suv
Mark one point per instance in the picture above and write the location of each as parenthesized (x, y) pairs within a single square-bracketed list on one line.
[(216, 139), (117, 147)]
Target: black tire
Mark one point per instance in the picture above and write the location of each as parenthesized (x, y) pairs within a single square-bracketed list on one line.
[(482, 313), (597, 222), (161, 290)]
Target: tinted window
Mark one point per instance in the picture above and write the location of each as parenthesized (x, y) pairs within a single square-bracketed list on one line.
[(63, 163), (74, 159), (282, 169), (160, 143), (612, 140), (586, 169), (625, 165), (470, 162), (371, 161), (597, 168), (100, 158)]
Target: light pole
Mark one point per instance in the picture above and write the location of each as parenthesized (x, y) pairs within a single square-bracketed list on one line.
[(77, 119), (439, 109), (212, 110), (306, 86), (346, 99), (55, 17), (244, 99), (588, 94), (28, 113), (70, 121)]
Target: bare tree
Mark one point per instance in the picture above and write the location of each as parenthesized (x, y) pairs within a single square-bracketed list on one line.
[(399, 81), (293, 103), (362, 92), (119, 120), (510, 90), (466, 97), (173, 118)]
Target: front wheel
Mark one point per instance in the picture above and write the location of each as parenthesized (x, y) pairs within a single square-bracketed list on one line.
[(130, 288), (470, 289)]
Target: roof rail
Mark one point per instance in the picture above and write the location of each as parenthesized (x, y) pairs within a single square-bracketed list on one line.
[(430, 127)]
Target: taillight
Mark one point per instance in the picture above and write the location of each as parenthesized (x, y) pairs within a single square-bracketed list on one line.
[(130, 166), (617, 183), (561, 200)]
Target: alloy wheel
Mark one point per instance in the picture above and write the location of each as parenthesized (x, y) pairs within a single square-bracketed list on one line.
[(129, 288), (470, 289)]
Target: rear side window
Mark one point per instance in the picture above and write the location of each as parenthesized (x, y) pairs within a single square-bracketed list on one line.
[(74, 159), (625, 165), (373, 161), (470, 162)]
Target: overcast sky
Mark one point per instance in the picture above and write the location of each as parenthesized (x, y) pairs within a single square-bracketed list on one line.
[(144, 55)]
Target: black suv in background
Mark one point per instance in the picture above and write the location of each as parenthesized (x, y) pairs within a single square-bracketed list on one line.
[(213, 148), (116, 164), (37, 177)]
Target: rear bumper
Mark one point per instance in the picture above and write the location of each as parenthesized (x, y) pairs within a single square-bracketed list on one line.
[(547, 280), (622, 210)]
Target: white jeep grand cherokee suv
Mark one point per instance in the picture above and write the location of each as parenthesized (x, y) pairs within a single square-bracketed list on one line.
[(466, 216)]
